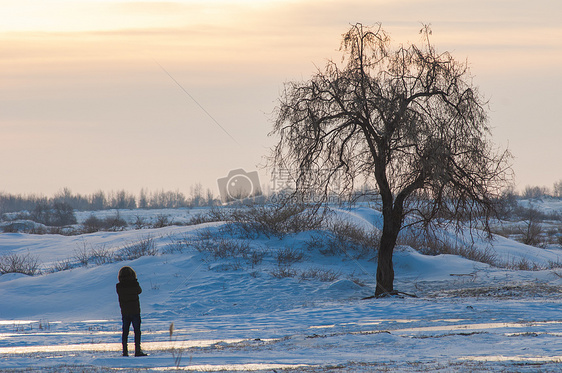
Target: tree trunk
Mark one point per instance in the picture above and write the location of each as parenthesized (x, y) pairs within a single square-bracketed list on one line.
[(385, 268), (392, 221)]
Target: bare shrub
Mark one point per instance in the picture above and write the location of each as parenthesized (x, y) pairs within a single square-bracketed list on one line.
[(505, 230), (276, 221), (10, 228), (115, 223), (145, 247), (554, 264), (101, 255), (429, 244), (63, 231), (26, 264), (256, 257), (525, 264), (284, 272), (93, 224), (140, 222), (91, 255), (205, 234), (24, 226), (162, 221), (320, 274), (178, 245), (348, 236), (197, 219), (343, 237), (62, 265), (522, 264), (38, 229), (288, 256), (111, 223), (478, 255), (230, 248), (315, 242), (223, 248), (82, 254), (212, 215), (206, 241), (531, 233), (215, 214)]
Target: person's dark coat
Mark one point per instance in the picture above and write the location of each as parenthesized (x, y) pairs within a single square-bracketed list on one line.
[(128, 289)]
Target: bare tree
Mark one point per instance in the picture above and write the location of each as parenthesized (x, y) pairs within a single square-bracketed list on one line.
[(409, 119), (558, 189)]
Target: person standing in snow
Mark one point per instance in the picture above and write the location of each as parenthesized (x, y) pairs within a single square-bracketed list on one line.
[(128, 289)]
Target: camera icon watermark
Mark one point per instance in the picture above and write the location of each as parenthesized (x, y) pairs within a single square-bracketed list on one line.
[(239, 185)]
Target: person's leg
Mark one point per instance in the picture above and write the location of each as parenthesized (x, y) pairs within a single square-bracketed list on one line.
[(125, 336), (137, 327)]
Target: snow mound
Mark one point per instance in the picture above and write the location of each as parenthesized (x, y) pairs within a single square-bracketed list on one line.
[(11, 276), (412, 264), (343, 290), (344, 285)]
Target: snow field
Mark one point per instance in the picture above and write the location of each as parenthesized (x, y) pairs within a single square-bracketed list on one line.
[(238, 314)]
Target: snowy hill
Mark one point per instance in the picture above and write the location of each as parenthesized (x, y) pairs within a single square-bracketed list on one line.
[(252, 302)]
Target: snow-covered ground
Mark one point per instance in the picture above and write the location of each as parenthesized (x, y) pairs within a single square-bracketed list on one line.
[(245, 312)]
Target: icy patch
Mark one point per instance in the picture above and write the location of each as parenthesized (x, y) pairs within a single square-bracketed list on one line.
[(16, 322), (234, 367), (147, 346), (516, 358)]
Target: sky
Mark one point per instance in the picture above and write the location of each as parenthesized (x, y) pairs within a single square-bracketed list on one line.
[(110, 95)]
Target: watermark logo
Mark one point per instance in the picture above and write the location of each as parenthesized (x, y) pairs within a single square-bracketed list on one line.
[(283, 180), (239, 185), (322, 185)]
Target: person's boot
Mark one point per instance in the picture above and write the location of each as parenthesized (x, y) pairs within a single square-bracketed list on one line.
[(125, 350), (138, 351)]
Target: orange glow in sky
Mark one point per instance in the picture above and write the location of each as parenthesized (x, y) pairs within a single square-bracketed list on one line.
[(85, 105)]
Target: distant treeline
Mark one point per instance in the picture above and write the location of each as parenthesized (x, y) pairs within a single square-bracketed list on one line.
[(111, 200), (540, 192), (165, 199)]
